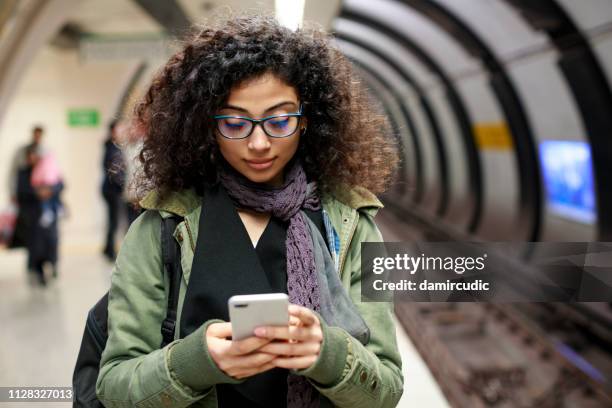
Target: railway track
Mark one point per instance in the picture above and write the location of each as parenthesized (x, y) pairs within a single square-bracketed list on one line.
[(492, 355), (520, 355)]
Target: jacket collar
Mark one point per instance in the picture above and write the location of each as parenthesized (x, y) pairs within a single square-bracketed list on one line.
[(179, 203), (342, 212), (184, 202)]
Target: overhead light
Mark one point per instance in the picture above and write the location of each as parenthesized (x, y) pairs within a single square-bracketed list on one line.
[(290, 13)]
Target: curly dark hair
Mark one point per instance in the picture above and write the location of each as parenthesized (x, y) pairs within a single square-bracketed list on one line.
[(349, 141)]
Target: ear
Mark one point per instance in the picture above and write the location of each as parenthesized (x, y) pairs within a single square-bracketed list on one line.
[(303, 126)]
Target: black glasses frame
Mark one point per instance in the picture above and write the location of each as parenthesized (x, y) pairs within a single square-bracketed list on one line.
[(260, 122)]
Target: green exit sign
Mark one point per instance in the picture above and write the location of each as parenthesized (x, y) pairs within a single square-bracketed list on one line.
[(83, 118)]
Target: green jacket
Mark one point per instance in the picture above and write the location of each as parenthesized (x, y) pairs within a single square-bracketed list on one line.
[(135, 372)]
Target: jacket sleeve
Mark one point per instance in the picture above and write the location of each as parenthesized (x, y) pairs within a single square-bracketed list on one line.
[(134, 371), (347, 372)]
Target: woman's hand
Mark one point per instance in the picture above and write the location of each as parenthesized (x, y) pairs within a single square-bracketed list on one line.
[(300, 341), (238, 359)]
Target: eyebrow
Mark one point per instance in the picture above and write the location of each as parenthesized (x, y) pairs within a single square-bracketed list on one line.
[(278, 105)]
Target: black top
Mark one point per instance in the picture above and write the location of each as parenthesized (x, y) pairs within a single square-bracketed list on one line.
[(226, 264), (114, 168)]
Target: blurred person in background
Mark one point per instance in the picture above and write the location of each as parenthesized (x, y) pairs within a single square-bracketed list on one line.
[(39, 185), (113, 165), (20, 162)]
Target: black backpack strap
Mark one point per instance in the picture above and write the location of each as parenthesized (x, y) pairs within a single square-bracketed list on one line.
[(172, 267), (87, 366)]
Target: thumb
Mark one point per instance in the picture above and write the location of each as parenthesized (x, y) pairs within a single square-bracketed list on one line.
[(220, 330)]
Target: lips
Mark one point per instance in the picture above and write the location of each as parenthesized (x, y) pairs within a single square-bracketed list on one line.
[(260, 164)]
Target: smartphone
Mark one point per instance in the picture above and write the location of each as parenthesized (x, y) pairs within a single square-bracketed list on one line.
[(250, 311)]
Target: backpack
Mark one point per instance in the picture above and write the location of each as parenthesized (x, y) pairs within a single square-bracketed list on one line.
[(96, 330)]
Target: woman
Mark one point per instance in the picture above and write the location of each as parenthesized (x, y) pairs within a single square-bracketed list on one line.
[(113, 166), (39, 185), (262, 140)]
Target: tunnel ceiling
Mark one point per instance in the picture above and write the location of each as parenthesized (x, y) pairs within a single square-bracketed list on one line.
[(459, 40)]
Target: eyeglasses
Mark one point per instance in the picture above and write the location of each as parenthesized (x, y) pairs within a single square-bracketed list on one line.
[(241, 127)]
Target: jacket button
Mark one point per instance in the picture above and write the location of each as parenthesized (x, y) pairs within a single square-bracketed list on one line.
[(180, 237), (345, 220), (363, 377), (374, 385)]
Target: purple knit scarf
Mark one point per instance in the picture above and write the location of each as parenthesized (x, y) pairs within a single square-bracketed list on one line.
[(285, 203)]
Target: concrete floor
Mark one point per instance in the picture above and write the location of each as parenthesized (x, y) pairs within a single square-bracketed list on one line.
[(42, 327)]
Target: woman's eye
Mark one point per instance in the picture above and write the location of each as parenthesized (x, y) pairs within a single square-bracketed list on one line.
[(279, 123), (234, 123)]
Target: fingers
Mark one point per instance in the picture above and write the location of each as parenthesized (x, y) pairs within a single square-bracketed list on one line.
[(245, 346), (309, 333), (243, 363), (295, 363), (304, 325), (253, 355), (244, 366), (306, 316), (251, 372), (292, 349), (239, 358), (238, 347)]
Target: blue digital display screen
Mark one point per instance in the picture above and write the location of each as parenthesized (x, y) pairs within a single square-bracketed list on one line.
[(568, 178)]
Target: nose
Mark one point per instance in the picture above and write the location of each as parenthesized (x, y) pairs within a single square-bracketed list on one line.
[(258, 140)]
